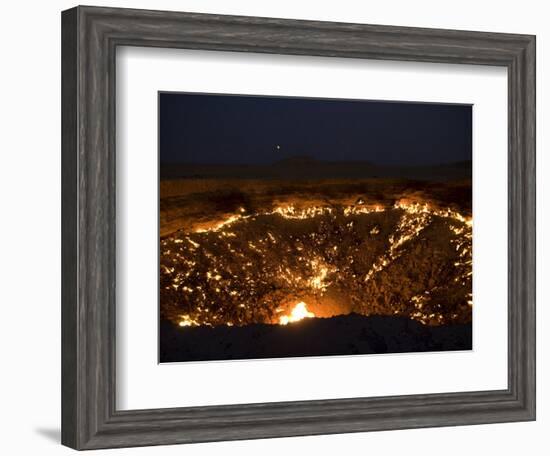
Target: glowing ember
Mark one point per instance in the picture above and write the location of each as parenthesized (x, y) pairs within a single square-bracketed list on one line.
[(298, 313), (410, 259), (187, 321)]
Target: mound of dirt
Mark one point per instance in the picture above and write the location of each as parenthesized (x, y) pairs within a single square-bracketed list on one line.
[(343, 335)]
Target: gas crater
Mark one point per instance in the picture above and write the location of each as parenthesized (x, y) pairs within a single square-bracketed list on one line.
[(409, 259)]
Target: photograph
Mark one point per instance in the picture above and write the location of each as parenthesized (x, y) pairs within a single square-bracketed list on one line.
[(277, 224), (292, 227)]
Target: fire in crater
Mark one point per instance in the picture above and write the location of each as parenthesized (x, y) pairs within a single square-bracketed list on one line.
[(408, 259), (360, 229), (298, 313)]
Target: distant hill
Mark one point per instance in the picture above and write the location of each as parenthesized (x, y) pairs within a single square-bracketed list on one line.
[(297, 160), (305, 167)]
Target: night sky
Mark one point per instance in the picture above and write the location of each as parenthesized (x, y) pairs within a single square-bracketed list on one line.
[(230, 129)]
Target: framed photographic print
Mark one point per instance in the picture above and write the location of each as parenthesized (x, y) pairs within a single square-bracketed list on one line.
[(352, 215), (268, 225)]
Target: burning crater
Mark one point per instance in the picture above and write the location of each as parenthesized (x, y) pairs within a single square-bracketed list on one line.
[(408, 259)]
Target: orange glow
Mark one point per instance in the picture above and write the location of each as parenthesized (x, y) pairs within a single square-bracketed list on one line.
[(298, 313), (187, 321), (216, 275)]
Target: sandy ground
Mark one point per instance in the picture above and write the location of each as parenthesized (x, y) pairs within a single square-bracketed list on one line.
[(186, 204)]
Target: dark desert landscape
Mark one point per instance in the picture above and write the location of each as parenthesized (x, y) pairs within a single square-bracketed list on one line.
[(310, 254)]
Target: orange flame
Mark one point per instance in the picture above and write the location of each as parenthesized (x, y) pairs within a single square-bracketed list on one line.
[(298, 313)]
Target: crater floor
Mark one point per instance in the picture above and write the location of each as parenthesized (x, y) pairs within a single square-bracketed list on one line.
[(410, 259)]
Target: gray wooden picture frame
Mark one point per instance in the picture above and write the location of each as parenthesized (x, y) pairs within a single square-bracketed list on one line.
[(90, 36)]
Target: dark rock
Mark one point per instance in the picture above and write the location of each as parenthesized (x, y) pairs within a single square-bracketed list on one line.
[(341, 335)]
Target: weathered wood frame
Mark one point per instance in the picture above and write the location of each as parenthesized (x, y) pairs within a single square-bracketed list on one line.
[(90, 36)]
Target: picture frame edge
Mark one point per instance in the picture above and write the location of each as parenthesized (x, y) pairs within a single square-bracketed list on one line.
[(90, 420)]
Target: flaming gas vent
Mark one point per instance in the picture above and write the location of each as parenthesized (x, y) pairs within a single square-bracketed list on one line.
[(408, 259)]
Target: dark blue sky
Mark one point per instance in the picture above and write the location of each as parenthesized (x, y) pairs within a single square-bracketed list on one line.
[(232, 129)]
